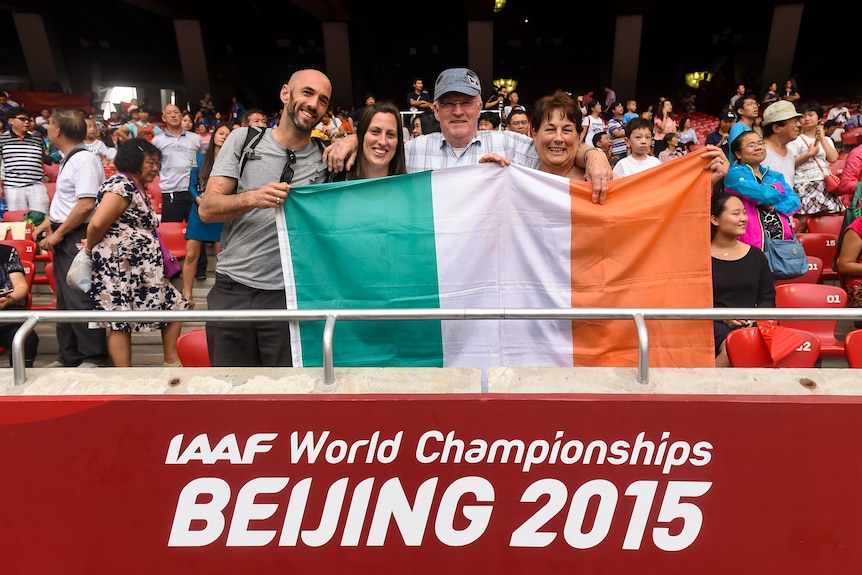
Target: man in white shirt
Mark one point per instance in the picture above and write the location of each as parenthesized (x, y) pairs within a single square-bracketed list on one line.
[(78, 182)]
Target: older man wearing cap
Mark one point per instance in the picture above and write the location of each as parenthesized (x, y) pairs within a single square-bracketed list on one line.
[(781, 126), (457, 105)]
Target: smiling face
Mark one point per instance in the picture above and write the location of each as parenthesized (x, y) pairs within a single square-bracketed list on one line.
[(380, 142), (556, 142), (458, 115), (752, 150), (306, 99), (732, 220)]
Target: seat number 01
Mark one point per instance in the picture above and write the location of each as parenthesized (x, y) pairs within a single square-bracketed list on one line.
[(529, 534)]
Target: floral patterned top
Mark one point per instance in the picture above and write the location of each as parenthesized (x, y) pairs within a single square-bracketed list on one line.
[(128, 271)]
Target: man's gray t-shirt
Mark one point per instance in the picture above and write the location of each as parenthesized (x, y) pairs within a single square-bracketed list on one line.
[(250, 254)]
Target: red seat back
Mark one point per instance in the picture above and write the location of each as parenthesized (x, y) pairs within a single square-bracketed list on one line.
[(174, 236), (812, 276), (15, 215), (828, 224), (823, 246), (853, 348), (192, 348), (746, 348), (26, 248), (51, 281), (806, 295)]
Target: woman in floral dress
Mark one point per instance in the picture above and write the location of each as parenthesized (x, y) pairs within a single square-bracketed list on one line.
[(128, 271)]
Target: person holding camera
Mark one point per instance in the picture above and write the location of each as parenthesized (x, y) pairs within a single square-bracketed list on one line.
[(499, 100)]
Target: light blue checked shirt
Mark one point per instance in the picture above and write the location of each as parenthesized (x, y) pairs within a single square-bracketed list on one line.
[(432, 151)]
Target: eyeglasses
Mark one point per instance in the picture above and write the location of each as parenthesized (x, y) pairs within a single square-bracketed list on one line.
[(755, 145), (287, 172), (520, 123), (450, 106), (22, 118)]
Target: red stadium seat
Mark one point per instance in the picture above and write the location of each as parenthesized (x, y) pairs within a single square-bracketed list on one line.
[(746, 348), (828, 224), (52, 171), (154, 191), (174, 236), (192, 348), (26, 248), (49, 276), (806, 295), (15, 215), (853, 348), (52, 189), (824, 247), (815, 269), (837, 166), (851, 138)]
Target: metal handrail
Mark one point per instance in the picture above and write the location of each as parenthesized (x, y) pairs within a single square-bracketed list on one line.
[(31, 318)]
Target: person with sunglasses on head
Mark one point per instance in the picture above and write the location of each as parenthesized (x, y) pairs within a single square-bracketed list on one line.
[(249, 181), (21, 154)]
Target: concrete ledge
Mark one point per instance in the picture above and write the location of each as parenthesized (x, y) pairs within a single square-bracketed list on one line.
[(595, 380), (730, 381), (237, 381)]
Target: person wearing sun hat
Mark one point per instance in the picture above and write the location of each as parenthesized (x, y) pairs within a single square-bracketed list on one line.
[(780, 127)]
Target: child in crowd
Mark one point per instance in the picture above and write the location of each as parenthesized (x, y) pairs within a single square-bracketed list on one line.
[(639, 138), (96, 145), (489, 121)]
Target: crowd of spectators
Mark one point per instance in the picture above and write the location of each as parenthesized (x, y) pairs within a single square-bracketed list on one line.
[(779, 137)]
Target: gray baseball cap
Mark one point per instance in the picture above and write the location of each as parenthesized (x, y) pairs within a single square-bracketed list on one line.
[(460, 80)]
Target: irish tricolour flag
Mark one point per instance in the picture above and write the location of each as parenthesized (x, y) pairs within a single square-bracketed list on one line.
[(489, 237)]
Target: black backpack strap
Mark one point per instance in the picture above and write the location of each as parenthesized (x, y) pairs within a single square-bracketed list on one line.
[(252, 139), (78, 148)]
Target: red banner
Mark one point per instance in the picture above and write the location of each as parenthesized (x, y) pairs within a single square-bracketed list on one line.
[(430, 484), (35, 101)]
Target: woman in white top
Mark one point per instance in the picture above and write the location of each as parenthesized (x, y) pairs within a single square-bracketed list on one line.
[(687, 135), (813, 151), (593, 123)]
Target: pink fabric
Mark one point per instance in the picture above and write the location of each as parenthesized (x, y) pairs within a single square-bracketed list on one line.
[(852, 172), (853, 284), (753, 235)]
